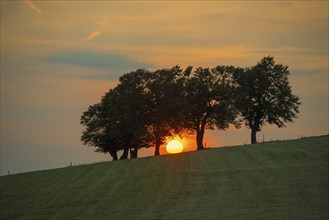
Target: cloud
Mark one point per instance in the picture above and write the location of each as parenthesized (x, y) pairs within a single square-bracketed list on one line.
[(93, 35), (31, 5), (96, 59)]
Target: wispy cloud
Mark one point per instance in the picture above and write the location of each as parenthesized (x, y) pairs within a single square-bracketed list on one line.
[(96, 59), (102, 24), (32, 6), (93, 35)]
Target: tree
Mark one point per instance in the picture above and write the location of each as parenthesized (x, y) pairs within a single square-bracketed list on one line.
[(165, 97), (144, 108), (209, 94), (263, 95), (98, 127), (118, 121), (131, 110)]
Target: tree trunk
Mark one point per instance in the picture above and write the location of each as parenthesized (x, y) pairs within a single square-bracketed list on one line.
[(124, 154), (253, 135), (136, 152), (114, 154), (157, 140), (199, 138), (133, 152), (157, 146)]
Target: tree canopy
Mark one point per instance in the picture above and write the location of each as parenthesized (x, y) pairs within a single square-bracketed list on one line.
[(165, 101), (146, 107), (263, 95), (209, 95)]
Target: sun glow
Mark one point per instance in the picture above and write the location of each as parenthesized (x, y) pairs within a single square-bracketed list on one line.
[(174, 147)]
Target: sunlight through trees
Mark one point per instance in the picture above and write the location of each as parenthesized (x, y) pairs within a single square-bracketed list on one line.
[(147, 107)]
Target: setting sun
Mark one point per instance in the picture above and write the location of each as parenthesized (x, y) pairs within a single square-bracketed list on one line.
[(174, 147)]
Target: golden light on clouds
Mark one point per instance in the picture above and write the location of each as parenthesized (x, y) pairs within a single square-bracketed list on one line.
[(32, 6), (67, 60), (102, 24), (93, 35)]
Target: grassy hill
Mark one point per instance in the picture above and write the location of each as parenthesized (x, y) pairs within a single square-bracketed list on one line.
[(276, 180)]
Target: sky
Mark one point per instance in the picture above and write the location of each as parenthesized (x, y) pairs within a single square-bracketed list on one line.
[(59, 57)]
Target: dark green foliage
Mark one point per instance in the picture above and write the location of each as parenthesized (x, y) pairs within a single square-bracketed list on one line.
[(263, 95)]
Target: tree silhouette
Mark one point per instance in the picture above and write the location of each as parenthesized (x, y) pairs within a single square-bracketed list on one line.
[(130, 105), (209, 94), (144, 108), (263, 95), (165, 97), (118, 121), (97, 120), (147, 107)]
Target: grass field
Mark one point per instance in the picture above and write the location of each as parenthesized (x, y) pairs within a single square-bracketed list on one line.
[(276, 180)]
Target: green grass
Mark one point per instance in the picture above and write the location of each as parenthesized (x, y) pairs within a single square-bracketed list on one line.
[(276, 180)]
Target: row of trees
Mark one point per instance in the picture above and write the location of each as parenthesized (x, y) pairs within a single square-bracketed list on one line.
[(147, 107)]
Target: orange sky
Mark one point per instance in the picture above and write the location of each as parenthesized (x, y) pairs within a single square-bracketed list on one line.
[(59, 57)]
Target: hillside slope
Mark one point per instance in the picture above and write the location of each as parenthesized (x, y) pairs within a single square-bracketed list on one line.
[(277, 180)]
